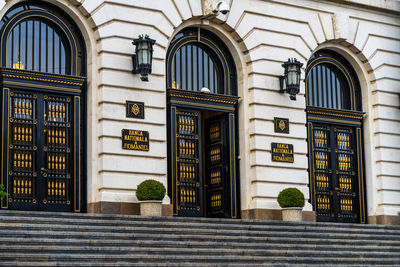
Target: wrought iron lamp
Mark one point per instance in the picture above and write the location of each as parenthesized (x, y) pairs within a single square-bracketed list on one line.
[(143, 57), (290, 82)]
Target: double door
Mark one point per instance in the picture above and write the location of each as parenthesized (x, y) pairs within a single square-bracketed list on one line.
[(200, 173), (41, 150), (336, 172)]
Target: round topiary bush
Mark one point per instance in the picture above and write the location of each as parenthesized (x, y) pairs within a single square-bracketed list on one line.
[(150, 190), (291, 197)]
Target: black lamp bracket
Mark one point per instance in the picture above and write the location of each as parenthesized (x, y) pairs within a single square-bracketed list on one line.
[(134, 61), (281, 84)]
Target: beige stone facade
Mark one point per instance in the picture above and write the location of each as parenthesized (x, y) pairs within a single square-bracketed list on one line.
[(260, 34)]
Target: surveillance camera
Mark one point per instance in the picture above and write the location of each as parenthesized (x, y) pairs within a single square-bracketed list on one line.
[(222, 7)]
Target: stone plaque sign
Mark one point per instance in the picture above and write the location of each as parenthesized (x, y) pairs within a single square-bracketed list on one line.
[(135, 110), (282, 152), (135, 140), (281, 125)]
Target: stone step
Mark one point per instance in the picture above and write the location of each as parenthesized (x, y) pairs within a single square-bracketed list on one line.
[(185, 220), (120, 263), (277, 243), (17, 249), (12, 220), (189, 231), (187, 237), (289, 257), (68, 239)]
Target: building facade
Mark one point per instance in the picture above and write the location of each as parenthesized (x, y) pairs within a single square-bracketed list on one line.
[(80, 131)]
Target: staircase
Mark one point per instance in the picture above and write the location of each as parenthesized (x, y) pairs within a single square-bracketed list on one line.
[(68, 239)]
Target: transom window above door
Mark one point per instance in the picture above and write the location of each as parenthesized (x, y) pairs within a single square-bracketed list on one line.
[(193, 67), (197, 59), (330, 82), (42, 41)]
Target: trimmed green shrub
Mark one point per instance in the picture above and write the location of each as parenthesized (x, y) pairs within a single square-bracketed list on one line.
[(150, 190), (2, 193), (291, 197)]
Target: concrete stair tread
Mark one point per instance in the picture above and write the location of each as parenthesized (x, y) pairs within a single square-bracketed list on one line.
[(121, 263), (195, 251), (114, 217), (177, 237), (278, 243), (205, 225), (68, 239), (182, 231), (146, 258)]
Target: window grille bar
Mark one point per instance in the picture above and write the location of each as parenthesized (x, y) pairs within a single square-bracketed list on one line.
[(198, 71), (320, 101), (215, 81), (192, 66), (180, 72), (203, 67), (47, 48), (40, 46), (333, 85), (315, 88), (325, 95), (53, 43), (26, 44), (19, 43), (33, 44), (12, 48), (187, 71), (338, 90)]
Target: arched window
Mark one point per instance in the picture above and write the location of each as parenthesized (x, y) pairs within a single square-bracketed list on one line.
[(42, 71), (198, 59), (331, 82), (334, 124), (38, 40)]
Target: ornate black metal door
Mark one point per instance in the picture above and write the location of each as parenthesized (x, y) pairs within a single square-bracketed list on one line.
[(41, 150), (335, 168), (187, 179), (202, 154), (217, 167)]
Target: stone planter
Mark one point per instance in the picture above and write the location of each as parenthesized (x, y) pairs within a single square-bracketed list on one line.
[(151, 208), (293, 214)]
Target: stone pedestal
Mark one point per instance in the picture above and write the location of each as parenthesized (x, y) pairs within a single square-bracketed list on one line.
[(151, 208), (292, 214)]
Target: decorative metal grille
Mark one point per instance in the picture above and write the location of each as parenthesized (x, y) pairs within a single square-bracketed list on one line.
[(41, 169), (323, 173), (334, 173), (188, 163), (36, 45), (216, 174), (57, 149), (22, 147), (194, 68), (345, 172)]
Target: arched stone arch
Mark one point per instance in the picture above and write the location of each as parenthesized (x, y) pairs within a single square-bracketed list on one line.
[(366, 76), (363, 73), (79, 14), (239, 54)]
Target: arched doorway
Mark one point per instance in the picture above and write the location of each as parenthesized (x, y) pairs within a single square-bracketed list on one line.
[(334, 123), (43, 109), (202, 126)]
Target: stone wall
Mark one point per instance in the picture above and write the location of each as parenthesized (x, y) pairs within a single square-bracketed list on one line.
[(261, 35)]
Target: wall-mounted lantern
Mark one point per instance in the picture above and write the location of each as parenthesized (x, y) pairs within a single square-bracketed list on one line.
[(290, 82), (143, 57)]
